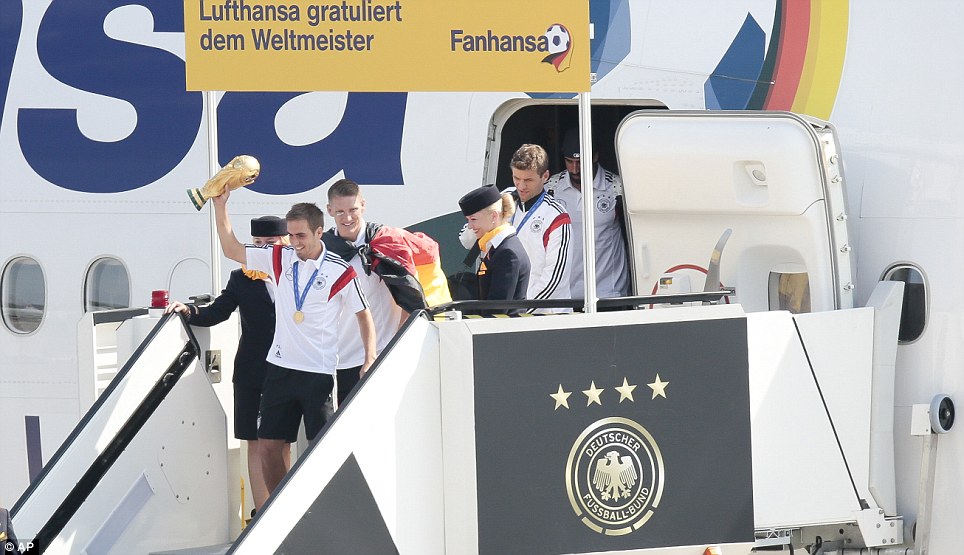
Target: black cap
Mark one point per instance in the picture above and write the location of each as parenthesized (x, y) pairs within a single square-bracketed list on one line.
[(480, 198), (570, 144), (269, 226)]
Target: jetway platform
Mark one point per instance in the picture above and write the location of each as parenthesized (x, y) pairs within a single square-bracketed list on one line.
[(616, 432), (568, 434)]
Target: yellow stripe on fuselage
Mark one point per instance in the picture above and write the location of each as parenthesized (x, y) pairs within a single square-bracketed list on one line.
[(827, 46)]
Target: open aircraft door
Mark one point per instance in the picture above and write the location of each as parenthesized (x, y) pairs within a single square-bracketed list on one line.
[(767, 189), (774, 178)]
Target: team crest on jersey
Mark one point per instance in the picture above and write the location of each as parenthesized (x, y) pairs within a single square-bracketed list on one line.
[(614, 476), (605, 204), (536, 225), (319, 283)]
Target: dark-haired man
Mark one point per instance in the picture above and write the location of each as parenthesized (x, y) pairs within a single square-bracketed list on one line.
[(252, 293), (313, 287), (612, 270)]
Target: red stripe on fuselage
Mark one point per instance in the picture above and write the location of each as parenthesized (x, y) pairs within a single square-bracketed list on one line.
[(791, 54)]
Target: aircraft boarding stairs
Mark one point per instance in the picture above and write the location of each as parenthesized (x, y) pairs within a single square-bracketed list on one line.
[(624, 432)]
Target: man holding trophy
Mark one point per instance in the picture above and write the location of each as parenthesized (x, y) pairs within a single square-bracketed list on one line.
[(314, 286)]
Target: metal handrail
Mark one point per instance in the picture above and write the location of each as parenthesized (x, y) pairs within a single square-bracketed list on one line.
[(607, 303)]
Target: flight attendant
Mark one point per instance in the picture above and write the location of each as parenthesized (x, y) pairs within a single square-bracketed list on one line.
[(504, 270), (252, 294)]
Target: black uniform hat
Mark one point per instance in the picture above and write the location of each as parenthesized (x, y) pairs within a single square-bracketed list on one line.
[(269, 226), (480, 198)]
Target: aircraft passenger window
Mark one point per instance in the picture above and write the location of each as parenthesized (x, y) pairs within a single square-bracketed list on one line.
[(108, 286), (790, 291), (913, 315), (24, 295)]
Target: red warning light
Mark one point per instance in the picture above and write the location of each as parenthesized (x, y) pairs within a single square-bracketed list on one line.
[(159, 298)]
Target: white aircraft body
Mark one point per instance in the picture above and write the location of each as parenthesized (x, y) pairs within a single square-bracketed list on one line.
[(99, 141)]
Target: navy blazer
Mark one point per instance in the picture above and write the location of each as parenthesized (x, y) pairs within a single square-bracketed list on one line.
[(257, 324), (504, 273)]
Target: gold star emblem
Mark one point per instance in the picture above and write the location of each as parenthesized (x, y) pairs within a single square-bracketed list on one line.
[(658, 387), (561, 397), (592, 394), (626, 391)]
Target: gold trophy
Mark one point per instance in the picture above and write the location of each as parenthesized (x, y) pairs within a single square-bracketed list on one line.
[(240, 171)]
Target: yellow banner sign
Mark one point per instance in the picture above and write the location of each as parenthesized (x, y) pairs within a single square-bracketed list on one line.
[(387, 45)]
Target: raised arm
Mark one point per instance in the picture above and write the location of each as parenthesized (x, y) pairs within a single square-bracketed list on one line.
[(230, 245)]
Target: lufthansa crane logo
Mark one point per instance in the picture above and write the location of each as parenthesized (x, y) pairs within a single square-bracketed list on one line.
[(614, 476)]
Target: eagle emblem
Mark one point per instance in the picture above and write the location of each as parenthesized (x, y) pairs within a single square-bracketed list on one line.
[(615, 476)]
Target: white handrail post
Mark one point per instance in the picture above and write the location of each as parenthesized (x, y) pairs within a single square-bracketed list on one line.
[(588, 203), (210, 106)]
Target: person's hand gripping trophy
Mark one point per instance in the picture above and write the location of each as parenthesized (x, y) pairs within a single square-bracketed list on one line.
[(240, 171)]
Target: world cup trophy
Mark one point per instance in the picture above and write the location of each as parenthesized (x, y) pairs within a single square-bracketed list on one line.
[(240, 171)]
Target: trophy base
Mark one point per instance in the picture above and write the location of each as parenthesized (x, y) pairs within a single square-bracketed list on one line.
[(196, 198)]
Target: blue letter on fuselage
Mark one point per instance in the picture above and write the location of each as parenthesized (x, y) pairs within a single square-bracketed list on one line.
[(11, 19), (73, 48), (367, 143)]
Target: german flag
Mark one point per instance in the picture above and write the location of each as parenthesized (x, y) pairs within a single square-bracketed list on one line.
[(408, 263), (419, 255)]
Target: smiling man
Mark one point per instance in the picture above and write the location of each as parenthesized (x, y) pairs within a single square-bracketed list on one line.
[(350, 235), (314, 288)]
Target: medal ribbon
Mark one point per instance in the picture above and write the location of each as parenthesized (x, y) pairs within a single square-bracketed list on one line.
[(300, 298), (531, 210)]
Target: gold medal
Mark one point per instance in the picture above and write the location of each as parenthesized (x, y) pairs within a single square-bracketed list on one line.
[(299, 316)]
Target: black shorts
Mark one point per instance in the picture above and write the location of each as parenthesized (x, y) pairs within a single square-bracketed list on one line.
[(287, 396), (247, 405), (347, 380)]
